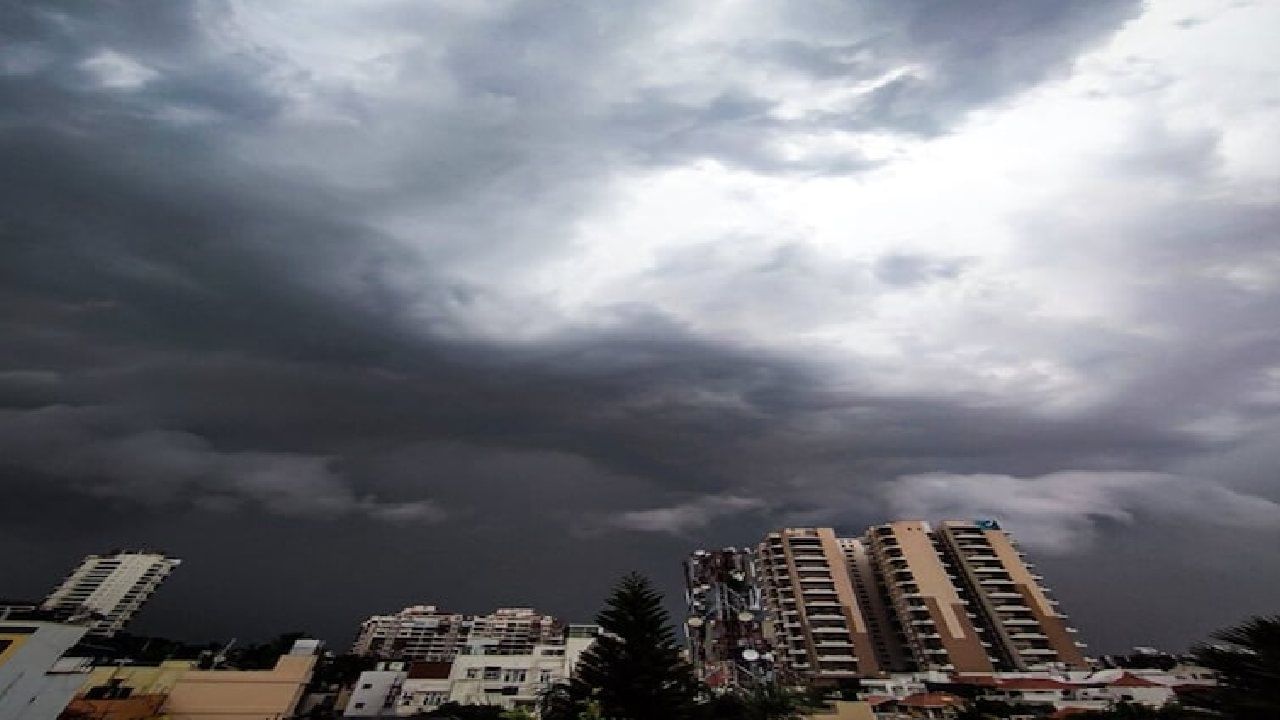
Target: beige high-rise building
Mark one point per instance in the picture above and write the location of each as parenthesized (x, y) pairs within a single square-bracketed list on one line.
[(906, 597), (941, 632), (1026, 627), (819, 627)]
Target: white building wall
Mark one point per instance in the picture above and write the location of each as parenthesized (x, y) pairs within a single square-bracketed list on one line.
[(375, 694), (36, 683)]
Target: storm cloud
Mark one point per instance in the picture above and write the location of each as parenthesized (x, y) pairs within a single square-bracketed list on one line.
[(489, 303)]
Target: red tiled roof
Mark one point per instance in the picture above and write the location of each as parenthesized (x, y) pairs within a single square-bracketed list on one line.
[(874, 700), (923, 700), (1067, 712), (1128, 680)]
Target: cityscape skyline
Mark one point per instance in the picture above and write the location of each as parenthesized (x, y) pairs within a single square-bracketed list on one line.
[(117, 584), (356, 306)]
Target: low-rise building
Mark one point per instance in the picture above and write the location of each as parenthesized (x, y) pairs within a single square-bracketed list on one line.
[(178, 690), (482, 674)]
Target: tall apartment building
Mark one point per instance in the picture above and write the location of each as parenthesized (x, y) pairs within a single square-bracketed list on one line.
[(725, 625), (940, 630), (423, 632), (110, 588), (1009, 600), (907, 597), (819, 626)]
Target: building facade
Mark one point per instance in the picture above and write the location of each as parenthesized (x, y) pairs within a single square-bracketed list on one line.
[(903, 597), (425, 633), (938, 627), (110, 589), (818, 625), (178, 690), (1011, 602), (480, 675), (725, 628)]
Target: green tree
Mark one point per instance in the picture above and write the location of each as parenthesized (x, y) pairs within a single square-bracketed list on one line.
[(1247, 660), (634, 670)]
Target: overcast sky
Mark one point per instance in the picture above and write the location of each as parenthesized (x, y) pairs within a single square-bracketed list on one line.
[(359, 305)]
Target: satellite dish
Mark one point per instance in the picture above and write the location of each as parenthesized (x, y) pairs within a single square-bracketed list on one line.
[(695, 622), (768, 656), (745, 616), (750, 655)]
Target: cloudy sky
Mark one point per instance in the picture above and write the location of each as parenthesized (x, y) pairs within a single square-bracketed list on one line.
[(479, 303)]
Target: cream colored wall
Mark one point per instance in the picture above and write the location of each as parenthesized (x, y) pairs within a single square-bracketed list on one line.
[(249, 694), (928, 573), (1003, 549)]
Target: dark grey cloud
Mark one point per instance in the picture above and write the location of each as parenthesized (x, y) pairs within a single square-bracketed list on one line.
[(250, 285)]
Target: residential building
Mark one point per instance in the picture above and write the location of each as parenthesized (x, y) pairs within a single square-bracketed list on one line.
[(725, 631), (1022, 622), (819, 626), (418, 632), (903, 597), (424, 632), (36, 680), (479, 675), (177, 690), (941, 632), (514, 630), (110, 589)]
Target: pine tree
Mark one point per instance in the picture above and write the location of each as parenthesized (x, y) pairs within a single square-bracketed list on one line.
[(634, 670)]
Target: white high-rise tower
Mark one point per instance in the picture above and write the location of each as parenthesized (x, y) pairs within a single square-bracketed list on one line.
[(113, 586)]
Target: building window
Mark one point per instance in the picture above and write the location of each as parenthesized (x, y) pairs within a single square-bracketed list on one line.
[(473, 673), (492, 673)]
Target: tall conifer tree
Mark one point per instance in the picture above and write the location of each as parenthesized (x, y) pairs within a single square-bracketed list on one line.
[(634, 671)]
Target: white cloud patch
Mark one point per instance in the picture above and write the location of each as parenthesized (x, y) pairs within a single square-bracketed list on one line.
[(685, 517), (1059, 512), (117, 71)]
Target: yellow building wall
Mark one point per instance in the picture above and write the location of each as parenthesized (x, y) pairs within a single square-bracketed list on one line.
[(241, 695)]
